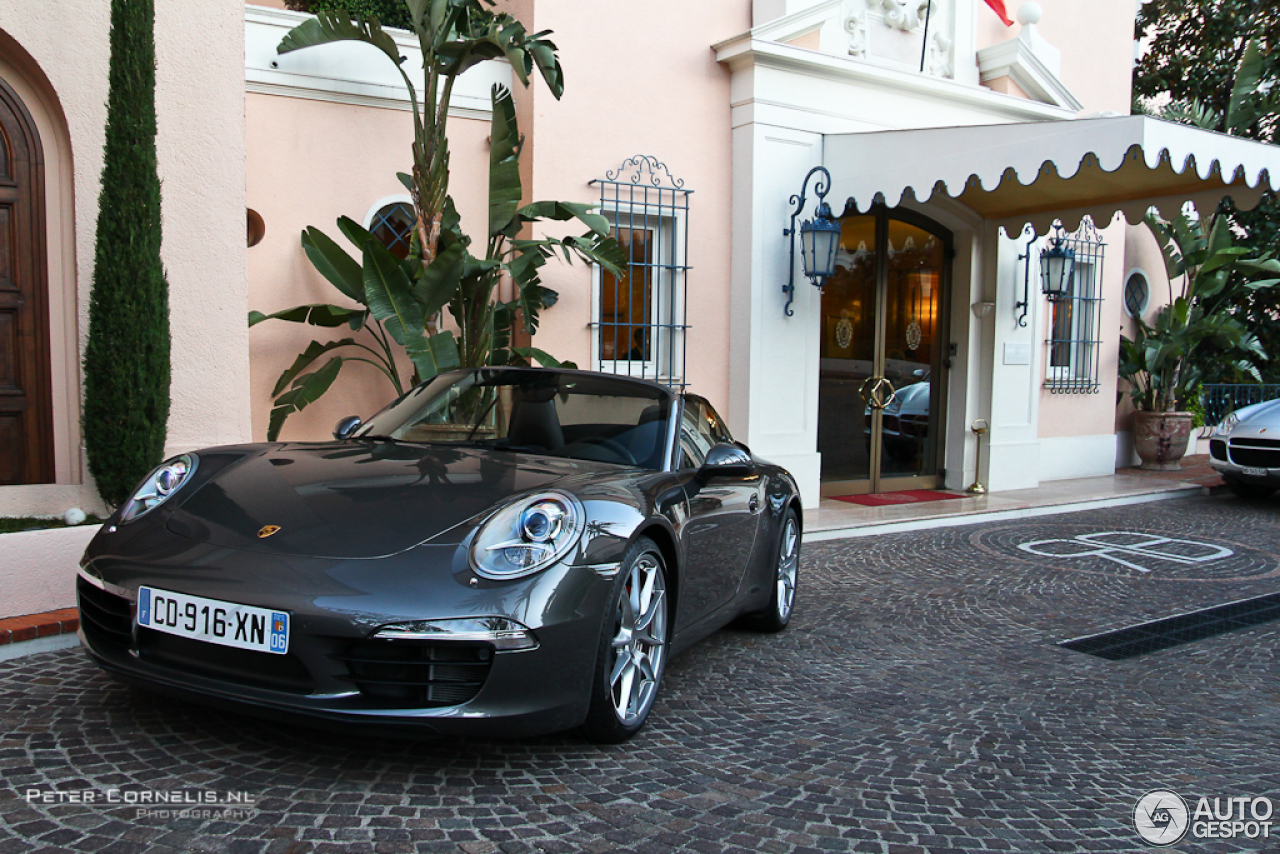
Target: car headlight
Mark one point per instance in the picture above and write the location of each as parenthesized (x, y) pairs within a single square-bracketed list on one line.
[(158, 486), (527, 536), (1227, 424)]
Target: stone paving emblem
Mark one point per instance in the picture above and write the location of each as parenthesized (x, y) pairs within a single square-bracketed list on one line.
[(1143, 552), (1127, 552), (1161, 817)]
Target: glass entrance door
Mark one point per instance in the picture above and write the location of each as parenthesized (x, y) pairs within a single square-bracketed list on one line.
[(883, 346)]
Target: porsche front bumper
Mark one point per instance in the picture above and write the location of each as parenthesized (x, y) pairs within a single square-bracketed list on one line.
[(1246, 456), (342, 667)]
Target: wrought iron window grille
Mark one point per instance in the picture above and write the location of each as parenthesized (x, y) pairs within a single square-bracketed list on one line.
[(1137, 294), (392, 225), (639, 319), (1074, 345)]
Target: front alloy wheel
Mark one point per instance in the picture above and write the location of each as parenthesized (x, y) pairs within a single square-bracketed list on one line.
[(633, 648)]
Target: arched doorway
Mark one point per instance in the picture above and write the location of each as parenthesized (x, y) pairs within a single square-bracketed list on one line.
[(26, 418), (884, 354)]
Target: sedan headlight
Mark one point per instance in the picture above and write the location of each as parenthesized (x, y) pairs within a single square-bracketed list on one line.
[(527, 536), (159, 486), (1227, 424)]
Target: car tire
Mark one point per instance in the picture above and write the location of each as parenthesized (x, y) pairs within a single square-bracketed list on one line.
[(632, 653), (1256, 491), (786, 573)]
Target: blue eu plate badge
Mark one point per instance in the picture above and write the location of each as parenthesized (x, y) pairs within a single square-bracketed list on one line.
[(279, 640)]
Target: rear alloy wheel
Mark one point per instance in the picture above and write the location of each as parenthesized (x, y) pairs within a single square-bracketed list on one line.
[(775, 617), (633, 648), (1250, 490)]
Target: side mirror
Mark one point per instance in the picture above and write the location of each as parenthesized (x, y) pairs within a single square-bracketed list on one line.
[(727, 461), (346, 427)]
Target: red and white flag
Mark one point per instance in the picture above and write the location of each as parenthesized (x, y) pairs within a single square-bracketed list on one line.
[(998, 7)]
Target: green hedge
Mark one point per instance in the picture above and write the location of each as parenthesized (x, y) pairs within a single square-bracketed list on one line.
[(126, 360), (390, 13)]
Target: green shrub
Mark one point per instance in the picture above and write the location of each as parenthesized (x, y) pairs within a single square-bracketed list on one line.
[(126, 360), (1195, 405), (390, 13)]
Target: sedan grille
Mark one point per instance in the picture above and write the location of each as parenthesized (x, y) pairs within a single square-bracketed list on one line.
[(1261, 453), (417, 674), (107, 619)]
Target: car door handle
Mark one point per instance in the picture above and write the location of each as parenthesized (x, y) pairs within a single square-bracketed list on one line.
[(754, 503)]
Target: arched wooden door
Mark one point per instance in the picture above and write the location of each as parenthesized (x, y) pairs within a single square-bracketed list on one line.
[(26, 417)]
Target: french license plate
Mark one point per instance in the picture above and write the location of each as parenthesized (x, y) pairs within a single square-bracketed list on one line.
[(1253, 471), (214, 621)]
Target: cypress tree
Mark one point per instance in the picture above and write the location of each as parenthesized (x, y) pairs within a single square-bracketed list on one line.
[(126, 361)]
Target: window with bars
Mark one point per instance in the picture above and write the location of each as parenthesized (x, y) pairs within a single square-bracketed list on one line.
[(1075, 322), (1137, 294), (392, 226), (639, 318)]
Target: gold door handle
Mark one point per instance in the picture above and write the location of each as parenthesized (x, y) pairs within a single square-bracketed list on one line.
[(893, 392), (862, 391), (873, 396)]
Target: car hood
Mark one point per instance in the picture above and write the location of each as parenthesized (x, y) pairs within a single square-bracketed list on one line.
[(361, 499), (1265, 414)]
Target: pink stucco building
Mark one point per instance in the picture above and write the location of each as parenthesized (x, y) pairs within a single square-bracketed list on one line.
[(953, 145)]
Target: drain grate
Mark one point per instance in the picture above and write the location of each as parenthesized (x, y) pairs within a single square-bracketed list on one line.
[(1175, 631)]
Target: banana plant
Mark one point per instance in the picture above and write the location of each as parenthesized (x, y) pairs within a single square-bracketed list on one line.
[(454, 35), (1160, 361), (389, 313), (400, 300), (1165, 362)]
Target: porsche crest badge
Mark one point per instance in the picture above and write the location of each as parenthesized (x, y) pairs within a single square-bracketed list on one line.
[(267, 530)]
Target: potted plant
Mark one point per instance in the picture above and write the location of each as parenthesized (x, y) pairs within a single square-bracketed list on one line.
[(1165, 362)]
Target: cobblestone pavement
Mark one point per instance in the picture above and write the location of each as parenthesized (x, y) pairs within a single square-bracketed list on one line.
[(918, 702)]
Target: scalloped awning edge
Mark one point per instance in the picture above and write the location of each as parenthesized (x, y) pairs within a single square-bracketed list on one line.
[(1033, 173)]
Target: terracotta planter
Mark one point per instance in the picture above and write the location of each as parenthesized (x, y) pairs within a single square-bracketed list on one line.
[(1161, 439)]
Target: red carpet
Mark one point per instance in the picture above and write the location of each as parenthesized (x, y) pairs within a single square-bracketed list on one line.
[(910, 496)]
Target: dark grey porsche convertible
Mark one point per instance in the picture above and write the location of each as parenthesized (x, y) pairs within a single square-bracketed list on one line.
[(502, 550)]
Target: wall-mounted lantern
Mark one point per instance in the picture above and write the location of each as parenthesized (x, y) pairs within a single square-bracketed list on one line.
[(1057, 267), (1057, 270), (819, 238)]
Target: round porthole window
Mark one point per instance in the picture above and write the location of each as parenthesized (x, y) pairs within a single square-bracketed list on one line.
[(1137, 294), (392, 225), (256, 227)]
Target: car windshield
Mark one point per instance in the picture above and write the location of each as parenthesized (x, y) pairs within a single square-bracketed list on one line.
[(554, 413)]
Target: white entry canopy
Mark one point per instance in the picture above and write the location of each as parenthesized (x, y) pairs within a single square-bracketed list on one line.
[(1037, 172)]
